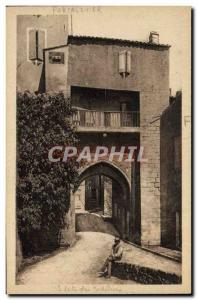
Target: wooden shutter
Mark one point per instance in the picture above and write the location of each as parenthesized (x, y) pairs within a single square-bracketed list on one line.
[(32, 44), (128, 62), (41, 43), (122, 62)]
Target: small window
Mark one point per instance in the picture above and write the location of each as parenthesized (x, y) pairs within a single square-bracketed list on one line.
[(56, 57), (36, 43)]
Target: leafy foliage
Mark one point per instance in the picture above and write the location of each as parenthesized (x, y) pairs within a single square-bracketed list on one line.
[(43, 187)]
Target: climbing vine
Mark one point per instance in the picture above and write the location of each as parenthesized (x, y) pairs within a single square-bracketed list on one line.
[(43, 187)]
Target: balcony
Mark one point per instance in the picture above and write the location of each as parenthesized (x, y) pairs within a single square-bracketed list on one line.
[(111, 121)]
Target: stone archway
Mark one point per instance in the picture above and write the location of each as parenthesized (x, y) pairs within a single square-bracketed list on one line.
[(121, 193)]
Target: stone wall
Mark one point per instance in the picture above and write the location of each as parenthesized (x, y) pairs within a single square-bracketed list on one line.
[(68, 233), (111, 139), (94, 64), (56, 73), (97, 66), (107, 196), (79, 198), (143, 275), (29, 75), (152, 104), (171, 175)]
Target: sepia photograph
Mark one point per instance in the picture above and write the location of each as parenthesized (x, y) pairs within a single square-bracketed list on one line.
[(98, 121)]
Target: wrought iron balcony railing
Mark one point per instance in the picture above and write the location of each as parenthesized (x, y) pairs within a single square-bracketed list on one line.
[(109, 119)]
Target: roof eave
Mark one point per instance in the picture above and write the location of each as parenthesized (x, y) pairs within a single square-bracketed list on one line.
[(92, 39)]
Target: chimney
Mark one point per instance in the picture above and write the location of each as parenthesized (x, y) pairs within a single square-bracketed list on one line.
[(154, 37)]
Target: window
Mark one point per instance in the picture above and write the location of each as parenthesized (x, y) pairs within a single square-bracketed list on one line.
[(36, 42)]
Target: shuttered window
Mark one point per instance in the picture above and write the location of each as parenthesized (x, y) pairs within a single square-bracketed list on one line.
[(124, 62), (36, 44), (32, 44), (41, 43), (128, 63)]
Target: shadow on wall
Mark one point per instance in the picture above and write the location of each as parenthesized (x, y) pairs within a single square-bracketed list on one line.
[(41, 87)]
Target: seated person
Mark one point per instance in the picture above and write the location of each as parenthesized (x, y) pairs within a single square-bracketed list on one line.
[(116, 255)]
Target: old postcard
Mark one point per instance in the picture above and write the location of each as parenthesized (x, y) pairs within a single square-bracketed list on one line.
[(99, 150)]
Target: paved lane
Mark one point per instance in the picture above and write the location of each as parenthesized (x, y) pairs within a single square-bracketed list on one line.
[(77, 265)]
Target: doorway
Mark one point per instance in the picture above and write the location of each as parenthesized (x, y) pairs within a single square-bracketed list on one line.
[(104, 190)]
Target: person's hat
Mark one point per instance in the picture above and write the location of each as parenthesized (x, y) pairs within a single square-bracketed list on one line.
[(117, 239)]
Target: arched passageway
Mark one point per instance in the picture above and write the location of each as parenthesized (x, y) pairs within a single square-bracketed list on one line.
[(103, 189)]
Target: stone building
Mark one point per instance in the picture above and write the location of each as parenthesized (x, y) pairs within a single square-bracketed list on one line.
[(171, 192), (34, 33), (119, 89)]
